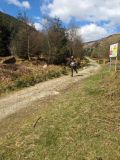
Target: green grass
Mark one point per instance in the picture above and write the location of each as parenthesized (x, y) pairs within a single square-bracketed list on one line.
[(81, 124)]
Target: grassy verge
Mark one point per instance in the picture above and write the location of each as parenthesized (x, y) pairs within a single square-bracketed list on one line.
[(25, 74), (15, 78), (81, 124)]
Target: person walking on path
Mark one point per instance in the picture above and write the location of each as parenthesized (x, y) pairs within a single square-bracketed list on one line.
[(73, 65)]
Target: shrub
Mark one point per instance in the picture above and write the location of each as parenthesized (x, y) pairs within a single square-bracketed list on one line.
[(37, 75)]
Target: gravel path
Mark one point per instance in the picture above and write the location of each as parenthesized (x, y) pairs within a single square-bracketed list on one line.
[(23, 98)]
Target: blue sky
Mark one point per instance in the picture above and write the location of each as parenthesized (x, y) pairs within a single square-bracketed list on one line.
[(95, 18), (11, 8)]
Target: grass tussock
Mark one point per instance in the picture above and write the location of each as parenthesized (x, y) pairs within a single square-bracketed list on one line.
[(81, 124)]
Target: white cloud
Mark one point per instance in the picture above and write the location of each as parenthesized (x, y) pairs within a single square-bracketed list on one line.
[(38, 26), (26, 4), (37, 18), (39, 23), (23, 4), (92, 32), (92, 10), (14, 2), (106, 13)]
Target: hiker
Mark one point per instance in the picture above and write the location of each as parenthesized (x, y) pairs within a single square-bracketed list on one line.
[(73, 65)]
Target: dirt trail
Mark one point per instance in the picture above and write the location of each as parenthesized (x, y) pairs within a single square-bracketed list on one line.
[(23, 98)]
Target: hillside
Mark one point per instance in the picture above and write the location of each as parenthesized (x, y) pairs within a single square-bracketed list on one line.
[(9, 27), (100, 48), (8, 20)]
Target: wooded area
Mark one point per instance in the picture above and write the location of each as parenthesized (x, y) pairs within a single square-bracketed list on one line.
[(55, 42)]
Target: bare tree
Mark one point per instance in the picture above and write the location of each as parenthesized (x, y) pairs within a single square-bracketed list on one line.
[(75, 45), (27, 24)]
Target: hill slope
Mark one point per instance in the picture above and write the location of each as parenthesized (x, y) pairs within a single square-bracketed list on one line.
[(9, 26), (100, 48), (8, 20)]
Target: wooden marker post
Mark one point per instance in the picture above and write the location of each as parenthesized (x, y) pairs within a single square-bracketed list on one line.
[(113, 54), (116, 64), (110, 63)]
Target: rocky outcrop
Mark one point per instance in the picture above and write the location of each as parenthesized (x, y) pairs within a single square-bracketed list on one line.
[(9, 60)]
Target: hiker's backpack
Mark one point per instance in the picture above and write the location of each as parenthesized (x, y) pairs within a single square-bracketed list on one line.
[(72, 64)]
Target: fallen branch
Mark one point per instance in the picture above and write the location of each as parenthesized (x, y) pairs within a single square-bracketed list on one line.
[(36, 122)]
